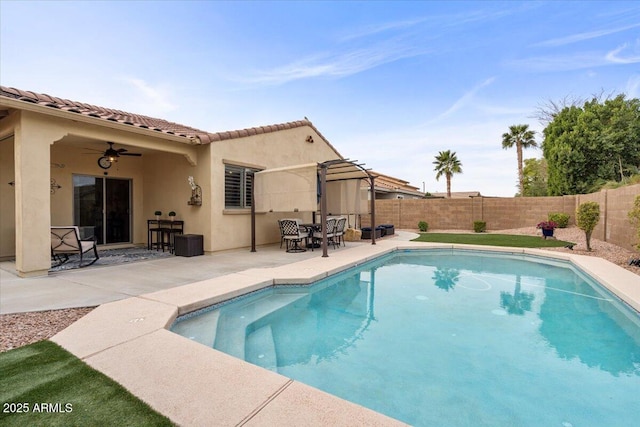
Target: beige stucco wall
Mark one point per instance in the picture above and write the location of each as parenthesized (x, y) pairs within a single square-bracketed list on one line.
[(59, 145), (67, 161), (7, 201), (232, 228), (38, 147), (167, 189)]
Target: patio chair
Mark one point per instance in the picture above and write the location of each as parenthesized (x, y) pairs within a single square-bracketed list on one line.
[(293, 235), (281, 232), (66, 241), (339, 231), (331, 227)]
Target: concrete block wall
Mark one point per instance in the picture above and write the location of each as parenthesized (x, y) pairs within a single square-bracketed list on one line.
[(512, 212), (600, 198), (517, 212), (614, 225)]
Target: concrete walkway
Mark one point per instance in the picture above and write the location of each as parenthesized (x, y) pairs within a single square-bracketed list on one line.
[(93, 286)]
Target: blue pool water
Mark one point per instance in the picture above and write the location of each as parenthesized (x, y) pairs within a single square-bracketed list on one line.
[(456, 338)]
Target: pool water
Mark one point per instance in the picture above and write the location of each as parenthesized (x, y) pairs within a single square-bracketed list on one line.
[(456, 338)]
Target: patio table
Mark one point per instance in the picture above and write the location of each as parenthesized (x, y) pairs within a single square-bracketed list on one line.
[(311, 228)]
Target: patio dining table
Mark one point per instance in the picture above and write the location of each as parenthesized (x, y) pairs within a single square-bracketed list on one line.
[(311, 228)]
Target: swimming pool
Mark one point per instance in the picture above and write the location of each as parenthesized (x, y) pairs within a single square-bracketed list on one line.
[(454, 337)]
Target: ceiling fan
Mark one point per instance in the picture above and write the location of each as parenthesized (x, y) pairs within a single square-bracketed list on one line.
[(111, 155)]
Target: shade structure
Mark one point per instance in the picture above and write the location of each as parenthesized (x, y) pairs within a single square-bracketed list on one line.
[(299, 188), (347, 197), (288, 189)]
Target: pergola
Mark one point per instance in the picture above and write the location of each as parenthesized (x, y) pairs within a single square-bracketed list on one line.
[(297, 188)]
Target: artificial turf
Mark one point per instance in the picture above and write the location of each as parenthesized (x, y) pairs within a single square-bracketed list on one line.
[(51, 387), (511, 240)]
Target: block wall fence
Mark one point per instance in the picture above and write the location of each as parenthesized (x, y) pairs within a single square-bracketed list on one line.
[(512, 212)]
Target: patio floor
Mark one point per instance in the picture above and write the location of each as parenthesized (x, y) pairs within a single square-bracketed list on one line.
[(95, 285)]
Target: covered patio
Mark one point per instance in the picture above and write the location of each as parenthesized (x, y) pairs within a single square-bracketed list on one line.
[(54, 172)]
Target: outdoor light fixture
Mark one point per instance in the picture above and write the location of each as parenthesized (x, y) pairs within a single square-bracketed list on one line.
[(196, 193), (54, 186)]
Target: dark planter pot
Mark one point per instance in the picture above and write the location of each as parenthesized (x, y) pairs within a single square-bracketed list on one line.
[(547, 232)]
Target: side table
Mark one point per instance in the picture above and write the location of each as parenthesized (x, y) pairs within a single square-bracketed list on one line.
[(188, 245)]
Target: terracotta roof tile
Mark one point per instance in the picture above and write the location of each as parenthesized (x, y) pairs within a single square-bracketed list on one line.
[(145, 122)]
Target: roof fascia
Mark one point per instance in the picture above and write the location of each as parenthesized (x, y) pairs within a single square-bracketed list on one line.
[(62, 114)]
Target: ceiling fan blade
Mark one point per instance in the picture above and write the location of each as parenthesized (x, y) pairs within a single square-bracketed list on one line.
[(131, 154), (122, 150)]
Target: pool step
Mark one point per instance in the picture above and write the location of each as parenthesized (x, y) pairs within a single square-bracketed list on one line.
[(232, 325), (261, 349)]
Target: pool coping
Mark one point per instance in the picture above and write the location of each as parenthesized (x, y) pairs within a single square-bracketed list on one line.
[(193, 384)]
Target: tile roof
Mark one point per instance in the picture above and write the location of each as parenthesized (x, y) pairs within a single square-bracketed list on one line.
[(145, 122)]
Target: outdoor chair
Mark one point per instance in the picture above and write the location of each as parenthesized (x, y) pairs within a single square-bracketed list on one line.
[(66, 241), (293, 234), (281, 232), (331, 227), (339, 231)]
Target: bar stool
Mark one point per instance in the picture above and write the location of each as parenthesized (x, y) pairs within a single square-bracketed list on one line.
[(175, 227), (158, 232)]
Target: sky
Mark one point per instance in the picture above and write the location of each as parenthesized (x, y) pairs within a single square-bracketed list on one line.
[(390, 84)]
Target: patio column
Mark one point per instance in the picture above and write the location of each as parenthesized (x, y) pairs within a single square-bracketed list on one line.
[(32, 141), (373, 209), (323, 208)]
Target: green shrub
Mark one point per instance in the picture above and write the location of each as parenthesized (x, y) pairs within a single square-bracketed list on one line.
[(587, 217), (479, 226), (562, 219), (423, 226), (634, 217)]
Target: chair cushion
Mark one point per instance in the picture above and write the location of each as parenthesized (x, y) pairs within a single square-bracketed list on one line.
[(87, 245)]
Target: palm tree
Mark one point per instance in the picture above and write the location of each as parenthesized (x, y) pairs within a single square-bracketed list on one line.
[(521, 137), (447, 164)]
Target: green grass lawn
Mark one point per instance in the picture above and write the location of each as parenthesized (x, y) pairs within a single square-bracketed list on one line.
[(54, 388), (512, 240)]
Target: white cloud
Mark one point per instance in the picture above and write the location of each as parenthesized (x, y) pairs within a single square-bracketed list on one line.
[(633, 87), (625, 54), (560, 63), (153, 100), (575, 38), (463, 101), (380, 28), (350, 62)]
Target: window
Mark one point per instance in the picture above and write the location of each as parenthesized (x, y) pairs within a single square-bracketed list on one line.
[(238, 186)]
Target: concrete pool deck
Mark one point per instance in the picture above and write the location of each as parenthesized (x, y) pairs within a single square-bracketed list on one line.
[(192, 384)]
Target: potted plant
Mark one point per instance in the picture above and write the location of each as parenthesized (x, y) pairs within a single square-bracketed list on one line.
[(172, 215), (547, 228), (158, 214)]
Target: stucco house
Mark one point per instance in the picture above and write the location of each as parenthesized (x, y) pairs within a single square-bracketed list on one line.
[(389, 187), (55, 169)]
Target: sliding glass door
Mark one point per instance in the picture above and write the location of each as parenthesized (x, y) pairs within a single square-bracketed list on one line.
[(102, 208)]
